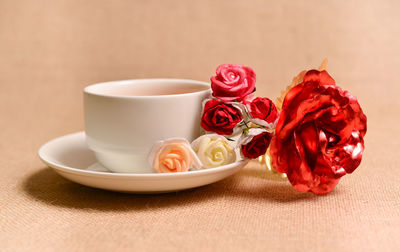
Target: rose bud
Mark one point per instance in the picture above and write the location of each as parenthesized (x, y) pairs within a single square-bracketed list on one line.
[(262, 110), (254, 142)]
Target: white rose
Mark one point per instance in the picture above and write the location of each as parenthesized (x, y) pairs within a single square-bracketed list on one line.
[(214, 150)]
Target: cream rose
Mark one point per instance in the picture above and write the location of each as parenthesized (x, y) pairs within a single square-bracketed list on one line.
[(214, 150), (173, 155)]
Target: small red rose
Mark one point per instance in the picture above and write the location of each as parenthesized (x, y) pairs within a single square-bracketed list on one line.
[(233, 82), (220, 117), (263, 109), (319, 134), (257, 146)]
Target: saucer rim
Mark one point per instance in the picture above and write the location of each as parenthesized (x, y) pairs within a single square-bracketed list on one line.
[(64, 168)]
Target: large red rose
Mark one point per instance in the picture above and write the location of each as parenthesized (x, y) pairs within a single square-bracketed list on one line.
[(233, 82), (263, 109), (257, 146), (220, 117), (319, 135)]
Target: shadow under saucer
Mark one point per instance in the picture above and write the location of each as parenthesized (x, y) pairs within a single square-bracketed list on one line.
[(50, 188), (47, 186)]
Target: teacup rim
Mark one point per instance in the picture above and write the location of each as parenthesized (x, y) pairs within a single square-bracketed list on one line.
[(87, 89)]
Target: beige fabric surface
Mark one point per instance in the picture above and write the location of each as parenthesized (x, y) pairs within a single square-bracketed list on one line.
[(50, 50)]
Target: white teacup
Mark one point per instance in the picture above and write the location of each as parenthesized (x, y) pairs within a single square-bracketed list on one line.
[(123, 119)]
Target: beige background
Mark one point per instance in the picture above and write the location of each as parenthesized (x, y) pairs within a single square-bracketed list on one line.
[(50, 50)]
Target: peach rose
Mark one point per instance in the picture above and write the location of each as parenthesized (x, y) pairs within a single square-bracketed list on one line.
[(173, 155)]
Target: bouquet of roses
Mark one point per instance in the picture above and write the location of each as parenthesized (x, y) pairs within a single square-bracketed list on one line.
[(314, 134), (234, 111)]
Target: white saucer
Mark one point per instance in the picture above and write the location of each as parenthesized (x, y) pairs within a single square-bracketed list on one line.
[(70, 157)]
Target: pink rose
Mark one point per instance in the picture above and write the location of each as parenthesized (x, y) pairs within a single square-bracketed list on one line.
[(233, 82)]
